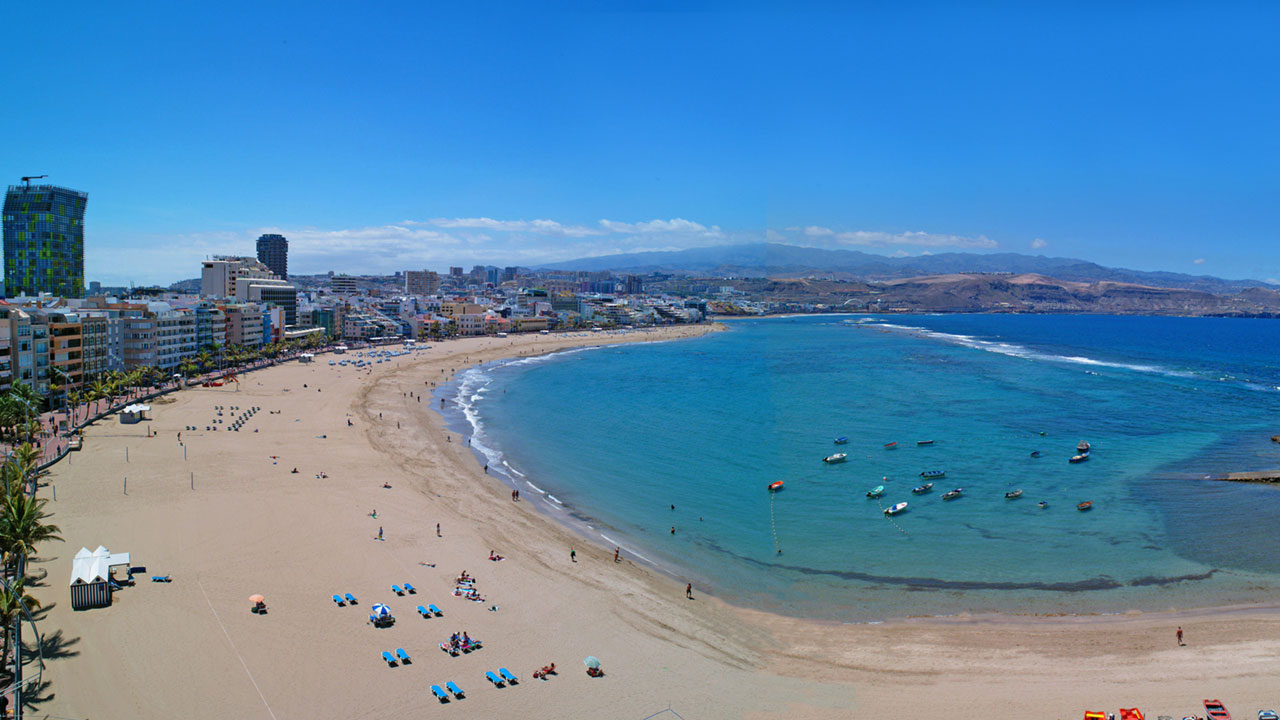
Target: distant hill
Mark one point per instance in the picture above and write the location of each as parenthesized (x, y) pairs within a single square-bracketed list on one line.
[(778, 260)]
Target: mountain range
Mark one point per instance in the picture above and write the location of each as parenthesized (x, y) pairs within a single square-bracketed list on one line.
[(779, 260)]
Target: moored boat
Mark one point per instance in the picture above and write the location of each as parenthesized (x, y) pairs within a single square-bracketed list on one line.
[(842, 440), (924, 442), (890, 446), (775, 486), (922, 489), (895, 509), (837, 458), (876, 491), (953, 494), (1079, 458), (1042, 505), (1082, 447), (933, 474), (1036, 453), (1086, 505)]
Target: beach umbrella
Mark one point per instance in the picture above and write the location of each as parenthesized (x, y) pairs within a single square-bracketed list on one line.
[(256, 599), (381, 610), (592, 661)]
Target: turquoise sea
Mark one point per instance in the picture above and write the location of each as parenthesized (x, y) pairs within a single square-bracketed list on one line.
[(609, 438)]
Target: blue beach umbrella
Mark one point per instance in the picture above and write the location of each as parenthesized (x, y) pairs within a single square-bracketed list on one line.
[(592, 661), (380, 610)]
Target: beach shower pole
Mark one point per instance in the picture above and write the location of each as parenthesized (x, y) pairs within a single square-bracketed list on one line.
[(126, 453), (193, 480)]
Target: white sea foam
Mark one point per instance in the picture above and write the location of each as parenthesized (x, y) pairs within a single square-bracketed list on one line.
[(1026, 353)]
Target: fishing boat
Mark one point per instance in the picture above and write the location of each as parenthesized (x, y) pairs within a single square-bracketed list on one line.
[(924, 442), (1216, 710), (876, 491), (1079, 458), (1042, 505), (894, 510), (953, 494), (922, 489), (1013, 495), (1036, 453), (890, 446), (842, 440), (775, 486), (837, 458), (933, 474), (1083, 447), (1087, 505)]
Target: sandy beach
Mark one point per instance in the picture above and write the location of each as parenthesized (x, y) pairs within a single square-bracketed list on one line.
[(225, 516)]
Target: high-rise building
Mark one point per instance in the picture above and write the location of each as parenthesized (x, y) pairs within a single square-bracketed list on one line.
[(44, 240), (421, 282), (273, 251), (455, 272), (218, 276), (343, 285)]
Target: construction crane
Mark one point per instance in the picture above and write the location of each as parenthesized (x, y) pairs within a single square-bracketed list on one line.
[(27, 179)]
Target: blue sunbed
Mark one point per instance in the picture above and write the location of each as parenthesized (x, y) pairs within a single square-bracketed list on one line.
[(396, 589), (435, 610), (404, 656), (435, 690), (338, 600), (453, 688), (506, 674), (161, 578), (350, 598), (423, 612), (411, 589), (497, 681), (391, 659)]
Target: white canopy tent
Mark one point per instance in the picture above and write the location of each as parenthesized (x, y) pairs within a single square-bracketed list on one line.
[(91, 577), (134, 413)]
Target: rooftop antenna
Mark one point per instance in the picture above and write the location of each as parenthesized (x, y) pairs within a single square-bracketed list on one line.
[(28, 178)]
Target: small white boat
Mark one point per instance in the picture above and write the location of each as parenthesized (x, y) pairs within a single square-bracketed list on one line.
[(894, 510), (1079, 458), (837, 458), (1013, 495)]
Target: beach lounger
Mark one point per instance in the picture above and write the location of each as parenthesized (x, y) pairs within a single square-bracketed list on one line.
[(396, 589), (404, 656), (351, 599), (391, 659), (339, 601), (453, 688), (423, 612), (506, 674), (435, 610), (410, 589), (161, 578), (435, 690), (497, 681)]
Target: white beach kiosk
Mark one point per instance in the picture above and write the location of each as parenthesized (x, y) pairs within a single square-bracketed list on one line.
[(91, 577), (131, 414)]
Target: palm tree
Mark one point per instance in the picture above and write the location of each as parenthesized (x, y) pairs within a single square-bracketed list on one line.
[(11, 604)]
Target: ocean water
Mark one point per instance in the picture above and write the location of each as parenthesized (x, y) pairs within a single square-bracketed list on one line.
[(610, 438)]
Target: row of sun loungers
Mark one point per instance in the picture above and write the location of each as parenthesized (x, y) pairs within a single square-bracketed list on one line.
[(453, 688), (430, 611), (406, 589), (502, 679), (401, 657), (344, 600)]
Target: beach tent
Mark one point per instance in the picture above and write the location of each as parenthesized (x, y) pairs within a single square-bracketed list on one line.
[(306, 357), (134, 413)]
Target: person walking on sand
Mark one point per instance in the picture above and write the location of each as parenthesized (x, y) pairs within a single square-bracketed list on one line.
[(1180, 643), (573, 555), (438, 530), (616, 550), (379, 532), (688, 591)]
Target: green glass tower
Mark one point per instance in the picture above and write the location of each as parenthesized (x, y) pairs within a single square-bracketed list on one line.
[(44, 240)]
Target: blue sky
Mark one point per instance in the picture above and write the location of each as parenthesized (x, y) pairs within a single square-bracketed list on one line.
[(386, 136)]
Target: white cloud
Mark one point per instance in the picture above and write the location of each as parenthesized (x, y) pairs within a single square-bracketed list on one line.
[(674, 225), (542, 227), (873, 238), (1198, 261), (1039, 243)]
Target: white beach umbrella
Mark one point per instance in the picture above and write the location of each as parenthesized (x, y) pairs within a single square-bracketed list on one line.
[(381, 610)]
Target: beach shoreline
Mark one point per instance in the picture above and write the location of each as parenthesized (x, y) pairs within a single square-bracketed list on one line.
[(249, 525)]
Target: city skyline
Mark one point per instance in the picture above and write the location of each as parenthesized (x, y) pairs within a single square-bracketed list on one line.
[(1130, 137)]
